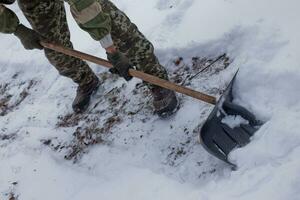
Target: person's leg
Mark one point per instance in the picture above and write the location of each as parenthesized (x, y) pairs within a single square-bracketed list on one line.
[(48, 18), (141, 55), (140, 52), (130, 41)]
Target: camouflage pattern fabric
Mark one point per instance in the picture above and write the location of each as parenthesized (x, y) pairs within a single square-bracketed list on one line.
[(99, 18), (129, 40), (48, 18), (126, 36)]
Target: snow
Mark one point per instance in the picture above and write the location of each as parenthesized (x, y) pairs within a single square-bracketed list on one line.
[(234, 121), (138, 156)]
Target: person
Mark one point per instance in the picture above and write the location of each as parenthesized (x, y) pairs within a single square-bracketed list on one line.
[(125, 45)]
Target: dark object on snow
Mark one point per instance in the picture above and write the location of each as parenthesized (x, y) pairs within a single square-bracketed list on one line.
[(165, 102), (217, 137), (178, 61), (83, 96)]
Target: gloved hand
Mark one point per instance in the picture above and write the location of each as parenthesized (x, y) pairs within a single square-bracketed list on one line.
[(120, 64), (29, 38), (7, 1)]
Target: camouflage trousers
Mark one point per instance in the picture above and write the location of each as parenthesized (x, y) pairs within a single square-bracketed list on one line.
[(130, 41), (48, 18)]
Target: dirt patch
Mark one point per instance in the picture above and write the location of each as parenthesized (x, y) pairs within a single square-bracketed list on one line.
[(185, 73), (8, 101), (93, 125), (69, 120), (109, 108), (8, 137)]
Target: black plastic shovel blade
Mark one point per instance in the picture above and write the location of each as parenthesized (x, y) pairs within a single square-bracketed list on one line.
[(218, 138)]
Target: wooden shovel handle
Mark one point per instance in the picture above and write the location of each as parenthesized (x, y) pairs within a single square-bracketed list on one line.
[(138, 74)]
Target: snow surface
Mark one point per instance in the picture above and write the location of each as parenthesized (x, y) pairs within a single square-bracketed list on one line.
[(143, 157)]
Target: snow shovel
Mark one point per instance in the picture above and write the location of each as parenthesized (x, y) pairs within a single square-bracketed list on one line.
[(216, 137)]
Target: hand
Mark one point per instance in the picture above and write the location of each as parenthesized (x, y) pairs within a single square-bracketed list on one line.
[(120, 64), (29, 38)]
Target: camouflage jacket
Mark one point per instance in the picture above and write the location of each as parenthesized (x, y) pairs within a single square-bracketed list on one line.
[(87, 13)]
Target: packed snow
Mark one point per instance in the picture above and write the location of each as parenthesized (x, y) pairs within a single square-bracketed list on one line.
[(119, 149), (234, 121)]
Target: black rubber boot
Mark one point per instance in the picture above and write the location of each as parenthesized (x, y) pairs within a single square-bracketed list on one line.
[(83, 96), (165, 102)]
